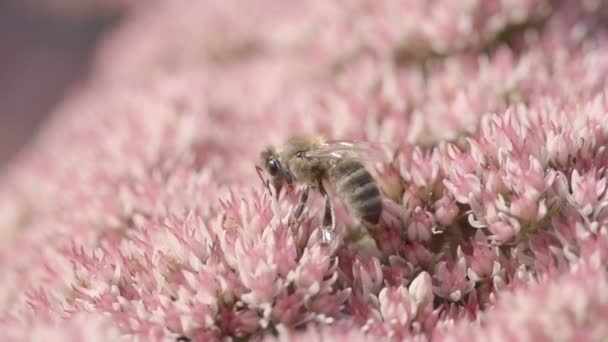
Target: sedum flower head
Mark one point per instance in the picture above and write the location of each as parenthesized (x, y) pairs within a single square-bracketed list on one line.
[(137, 213)]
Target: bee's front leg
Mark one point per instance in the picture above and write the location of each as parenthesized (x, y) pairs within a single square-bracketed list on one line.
[(301, 204)]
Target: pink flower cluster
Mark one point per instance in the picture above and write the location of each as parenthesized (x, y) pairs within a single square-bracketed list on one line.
[(137, 213)]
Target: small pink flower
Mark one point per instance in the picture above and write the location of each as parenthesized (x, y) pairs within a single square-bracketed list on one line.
[(486, 209), (311, 270), (424, 168), (569, 231), (505, 229), (367, 276), (286, 309), (462, 187), (561, 145), (483, 263), (420, 226), (411, 199), (587, 190), (528, 210), (421, 290), (446, 210), (525, 175), (388, 239), (329, 304), (397, 271), (451, 281), (397, 306), (363, 309), (239, 322), (418, 254), (258, 272), (494, 180)]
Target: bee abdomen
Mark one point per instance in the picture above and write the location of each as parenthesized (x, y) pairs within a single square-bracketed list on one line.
[(358, 189)]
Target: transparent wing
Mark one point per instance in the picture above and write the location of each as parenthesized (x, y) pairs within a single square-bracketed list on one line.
[(366, 151)]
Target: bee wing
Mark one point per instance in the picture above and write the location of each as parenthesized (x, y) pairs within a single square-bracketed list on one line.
[(367, 151)]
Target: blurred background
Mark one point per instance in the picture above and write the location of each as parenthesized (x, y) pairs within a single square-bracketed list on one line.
[(45, 51)]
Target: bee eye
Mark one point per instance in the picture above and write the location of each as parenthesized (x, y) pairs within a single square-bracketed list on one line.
[(273, 167)]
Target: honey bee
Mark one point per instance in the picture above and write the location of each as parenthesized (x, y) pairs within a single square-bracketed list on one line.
[(319, 165)]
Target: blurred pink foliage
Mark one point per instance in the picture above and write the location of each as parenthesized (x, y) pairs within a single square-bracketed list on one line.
[(137, 213)]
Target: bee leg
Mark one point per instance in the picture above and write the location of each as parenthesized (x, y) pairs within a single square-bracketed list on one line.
[(300, 207), (329, 222), (329, 219)]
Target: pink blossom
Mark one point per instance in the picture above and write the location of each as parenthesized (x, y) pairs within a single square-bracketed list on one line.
[(424, 168), (527, 209), (367, 275), (483, 263), (421, 225), (586, 190), (451, 280), (421, 290), (418, 254), (396, 305), (466, 186), (446, 210), (398, 270), (504, 230)]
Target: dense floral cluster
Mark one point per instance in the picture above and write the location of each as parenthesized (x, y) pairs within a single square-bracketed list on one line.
[(138, 213)]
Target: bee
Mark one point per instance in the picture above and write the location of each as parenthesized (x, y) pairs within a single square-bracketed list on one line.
[(320, 165)]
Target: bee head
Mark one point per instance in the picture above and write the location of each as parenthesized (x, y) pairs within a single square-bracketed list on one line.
[(272, 165)]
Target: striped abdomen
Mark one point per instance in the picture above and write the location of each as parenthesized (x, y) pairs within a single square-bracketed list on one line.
[(357, 188)]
